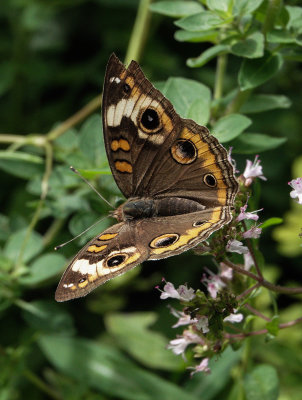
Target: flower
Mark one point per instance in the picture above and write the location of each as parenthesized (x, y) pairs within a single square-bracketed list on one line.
[(234, 246), (202, 367), (248, 261), (247, 215), (253, 170), (254, 232), (234, 318), (225, 271), (183, 319), (296, 184), (179, 345), (182, 293), (203, 323), (213, 284)]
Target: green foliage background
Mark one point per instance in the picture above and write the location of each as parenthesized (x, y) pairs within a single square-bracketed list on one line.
[(111, 345)]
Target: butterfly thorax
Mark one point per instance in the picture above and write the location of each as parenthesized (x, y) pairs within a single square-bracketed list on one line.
[(138, 208)]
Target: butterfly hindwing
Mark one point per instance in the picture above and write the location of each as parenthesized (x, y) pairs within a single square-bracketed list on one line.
[(110, 254)]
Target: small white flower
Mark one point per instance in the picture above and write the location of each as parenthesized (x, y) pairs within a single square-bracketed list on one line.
[(179, 345), (253, 170), (182, 293), (296, 184), (254, 233), (248, 261), (183, 319), (203, 324), (225, 271), (248, 215), (234, 246), (213, 284), (202, 367), (234, 318)]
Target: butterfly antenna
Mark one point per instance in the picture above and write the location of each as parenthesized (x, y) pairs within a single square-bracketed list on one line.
[(80, 234), (92, 187)]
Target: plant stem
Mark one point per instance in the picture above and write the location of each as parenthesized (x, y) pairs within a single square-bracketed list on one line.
[(9, 138), (263, 282), (256, 312), (40, 384), (248, 291), (272, 12), (240, 98), (219, 76), (139, 32), (262, 331)]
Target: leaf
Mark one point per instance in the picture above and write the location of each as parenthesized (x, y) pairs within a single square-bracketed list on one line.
[(195, 37), (23, 165), (264, 102), (207, 55), (281, 36), (199, 111), (251, 47), (262, 383), (271, 222), (219, 5), (255, 72), (176, 8), (48, 316), (251, 143), (202, 21), (133, 335), (184, 92), (107, 370), (91, 142), (208, 387), (244, 7), (13, 246), (230, 126), (295, 18), (273, 325), (45, 267)]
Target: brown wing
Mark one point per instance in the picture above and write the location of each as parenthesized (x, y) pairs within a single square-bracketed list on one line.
[(110, 254), (154, 152)]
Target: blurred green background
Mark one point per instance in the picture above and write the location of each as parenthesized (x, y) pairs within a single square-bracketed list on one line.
[(111, 345)]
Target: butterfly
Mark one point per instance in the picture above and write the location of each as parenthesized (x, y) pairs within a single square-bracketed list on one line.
[(178, 181)]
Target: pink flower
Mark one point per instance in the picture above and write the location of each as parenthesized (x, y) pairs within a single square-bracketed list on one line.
[(213, 284), (247, 215), (225, 271), (234, 318), (182, 293), (296, 184), (203, 324), (183, 319), (253, 233), (234, 246), (202, 367), (179, 345), (253, 170), (248, 261)]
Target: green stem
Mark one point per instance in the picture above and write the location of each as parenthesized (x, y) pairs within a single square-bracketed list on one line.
[(41, 385), (219, 76), (238, 101), (9, 138), (271, 15), (52, 231), (139, 32)]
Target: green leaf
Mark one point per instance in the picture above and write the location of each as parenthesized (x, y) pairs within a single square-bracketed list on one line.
[(262, 383), (207, 55), (230, 126), (176, 8), (33, 246), (199, 111), (91, 142), (184, 92), (222, 7), (23, 165), (45, 267), (244, 7), (132, 333), (281, 36), (202, 21), (251, 143), (107, 370), (83, 220), (271, 222), (208, 387), (295, 18), (264, 102), (195, 37), (251, 47), (273, 325), (48, 316), (255, 72)]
